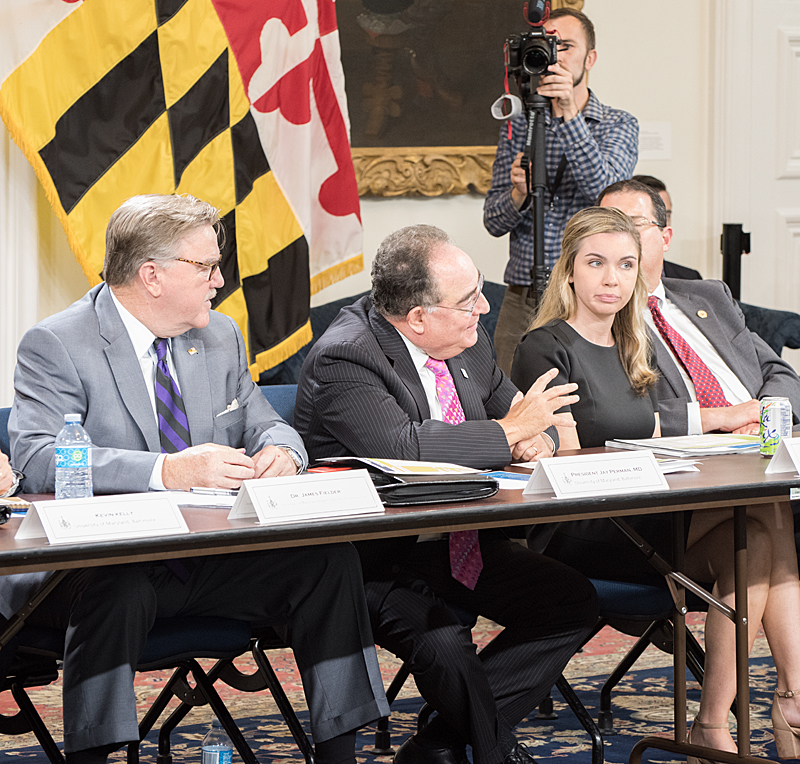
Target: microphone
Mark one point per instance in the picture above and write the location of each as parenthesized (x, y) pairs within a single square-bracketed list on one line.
[(536, 12)]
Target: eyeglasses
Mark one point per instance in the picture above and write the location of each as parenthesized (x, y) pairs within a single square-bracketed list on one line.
[(645, 222), (211, 266), (471, 307)]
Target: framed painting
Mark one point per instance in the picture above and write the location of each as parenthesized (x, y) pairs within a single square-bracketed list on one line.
[(421, 76)]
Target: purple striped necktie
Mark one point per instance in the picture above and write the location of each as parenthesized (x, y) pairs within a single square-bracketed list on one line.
[(173, 431), (466, 562), (173, 426)]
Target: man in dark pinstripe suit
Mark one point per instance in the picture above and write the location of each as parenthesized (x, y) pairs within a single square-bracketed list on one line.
[(366, 391)]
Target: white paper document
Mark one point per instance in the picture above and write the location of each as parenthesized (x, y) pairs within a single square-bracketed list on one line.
[(307, 497), (103, 518), (693, 445), (572, 477)]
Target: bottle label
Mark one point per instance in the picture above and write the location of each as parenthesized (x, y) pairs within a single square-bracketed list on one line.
[(217, 755), (73, 456)]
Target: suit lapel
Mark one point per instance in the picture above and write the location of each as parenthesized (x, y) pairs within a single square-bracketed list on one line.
[(189, 357), (126, 370), (690, 304), (396, 351), (468, 394)]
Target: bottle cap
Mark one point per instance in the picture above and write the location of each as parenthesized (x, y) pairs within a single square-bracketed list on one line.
[(72, 417)]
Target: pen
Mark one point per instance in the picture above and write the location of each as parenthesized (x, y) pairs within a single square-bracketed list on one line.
[(215, 491)]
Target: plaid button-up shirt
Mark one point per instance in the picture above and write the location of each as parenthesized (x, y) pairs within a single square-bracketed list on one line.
[(601, 145)]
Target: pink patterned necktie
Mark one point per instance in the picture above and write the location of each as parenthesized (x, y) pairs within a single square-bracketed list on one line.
[(465, 551), (706, 386)]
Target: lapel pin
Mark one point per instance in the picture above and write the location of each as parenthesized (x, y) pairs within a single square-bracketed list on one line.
[(192, 351), (464, 372), (702, 314)]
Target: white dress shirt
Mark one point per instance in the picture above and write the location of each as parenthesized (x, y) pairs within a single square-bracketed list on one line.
[(142, 339), (735, 392)]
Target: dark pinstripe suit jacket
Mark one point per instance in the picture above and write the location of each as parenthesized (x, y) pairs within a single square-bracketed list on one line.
[(360, 395)]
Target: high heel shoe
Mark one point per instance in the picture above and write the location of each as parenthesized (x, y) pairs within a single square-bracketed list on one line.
[(787, 738), (703, 725)]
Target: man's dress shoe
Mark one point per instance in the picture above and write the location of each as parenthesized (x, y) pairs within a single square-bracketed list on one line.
[(520, 755), (412, 752)]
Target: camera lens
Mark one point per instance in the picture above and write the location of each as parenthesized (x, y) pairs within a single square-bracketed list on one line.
[(536, 58)]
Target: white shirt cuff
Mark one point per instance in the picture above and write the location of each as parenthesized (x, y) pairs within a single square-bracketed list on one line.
[(156, 478), (694, 420)]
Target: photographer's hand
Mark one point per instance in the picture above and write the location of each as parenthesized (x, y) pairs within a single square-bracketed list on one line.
[(557, 86), (519, 184)]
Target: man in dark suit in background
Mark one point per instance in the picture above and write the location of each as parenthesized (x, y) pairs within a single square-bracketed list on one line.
[(708, 319), (162, 385), (671, 270), (410, 374)]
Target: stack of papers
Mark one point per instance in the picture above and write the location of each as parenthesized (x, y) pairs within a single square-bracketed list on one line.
[(693, 445)]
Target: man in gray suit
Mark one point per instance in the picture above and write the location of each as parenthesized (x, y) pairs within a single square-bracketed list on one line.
[(710, 321), (410, 374), (147, 333)]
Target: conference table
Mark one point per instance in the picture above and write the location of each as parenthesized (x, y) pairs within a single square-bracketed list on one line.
[(731, 481)]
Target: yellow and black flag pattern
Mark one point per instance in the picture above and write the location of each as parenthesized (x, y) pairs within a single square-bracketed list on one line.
[(145, 96)]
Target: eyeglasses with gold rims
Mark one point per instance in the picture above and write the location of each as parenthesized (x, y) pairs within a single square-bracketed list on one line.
[(211, 266), (641, 223), (471, 307)]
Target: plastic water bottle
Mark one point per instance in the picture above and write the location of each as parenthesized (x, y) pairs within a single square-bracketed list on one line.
[(217, 746), (73, 460)]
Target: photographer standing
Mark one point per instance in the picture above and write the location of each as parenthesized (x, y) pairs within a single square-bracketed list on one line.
[(589, 146)]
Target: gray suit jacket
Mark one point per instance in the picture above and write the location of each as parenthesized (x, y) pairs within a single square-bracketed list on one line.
[(82, 361), (360, 395), (756, 365)]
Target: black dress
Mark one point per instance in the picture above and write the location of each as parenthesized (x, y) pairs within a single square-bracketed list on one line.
[(609, 408)]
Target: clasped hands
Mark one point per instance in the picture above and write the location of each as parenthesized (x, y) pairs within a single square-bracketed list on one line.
[(531, 414), (213, 466)]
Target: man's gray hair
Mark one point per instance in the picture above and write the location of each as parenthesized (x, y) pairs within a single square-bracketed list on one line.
[(401, 277), (148, 228)]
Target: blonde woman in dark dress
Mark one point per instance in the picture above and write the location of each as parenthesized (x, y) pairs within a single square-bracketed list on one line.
[(590, 327)]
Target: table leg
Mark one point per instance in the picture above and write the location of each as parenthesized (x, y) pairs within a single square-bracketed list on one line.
[(742, 640)]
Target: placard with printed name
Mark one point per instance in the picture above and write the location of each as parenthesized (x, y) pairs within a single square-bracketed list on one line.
[(573, 477), (786, 458), (307, 497), (103, 518)]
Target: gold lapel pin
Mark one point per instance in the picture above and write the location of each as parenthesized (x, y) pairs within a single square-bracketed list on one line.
[(700, 313), (192, 351)]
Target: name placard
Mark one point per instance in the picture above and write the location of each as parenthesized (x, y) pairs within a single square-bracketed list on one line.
[(572, 477), (103, 518), (307, 497), (786, 458)]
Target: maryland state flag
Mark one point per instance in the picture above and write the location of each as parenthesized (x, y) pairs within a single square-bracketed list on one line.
[(238, 102)]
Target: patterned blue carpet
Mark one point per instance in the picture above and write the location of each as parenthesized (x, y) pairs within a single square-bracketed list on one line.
[(642, 706)]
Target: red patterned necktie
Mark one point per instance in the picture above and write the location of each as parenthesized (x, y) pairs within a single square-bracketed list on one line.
[(706, 386), (465, 551)]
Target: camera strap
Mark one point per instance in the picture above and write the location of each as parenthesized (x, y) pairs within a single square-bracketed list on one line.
[(553, 187)]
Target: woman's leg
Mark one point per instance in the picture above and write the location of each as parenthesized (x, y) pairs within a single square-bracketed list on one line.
[(773, 598)]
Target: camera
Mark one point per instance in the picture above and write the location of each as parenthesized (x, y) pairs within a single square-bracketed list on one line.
[(529, 55)]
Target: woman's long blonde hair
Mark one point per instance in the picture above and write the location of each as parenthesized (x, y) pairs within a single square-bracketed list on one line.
[(558, 300)]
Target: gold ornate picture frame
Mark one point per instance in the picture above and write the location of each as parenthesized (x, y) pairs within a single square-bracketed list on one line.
[(409, 72)]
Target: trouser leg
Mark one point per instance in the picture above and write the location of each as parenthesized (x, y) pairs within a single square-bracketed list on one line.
[(513, 320), (107, 614), (421, 629), (547, 610), (317, 593)]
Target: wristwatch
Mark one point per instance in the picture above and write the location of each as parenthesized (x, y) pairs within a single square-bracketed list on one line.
[(295, 457)]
